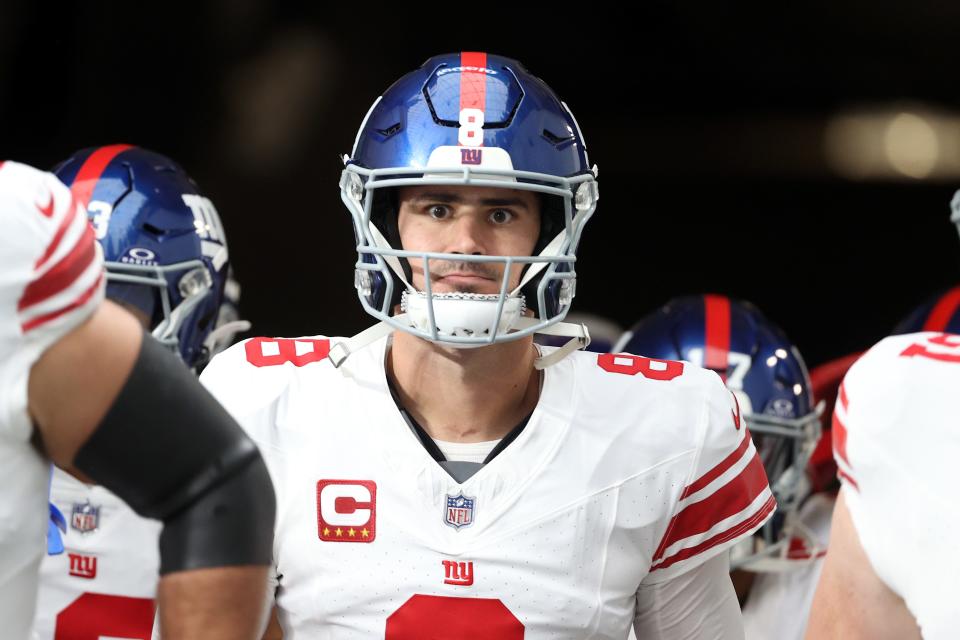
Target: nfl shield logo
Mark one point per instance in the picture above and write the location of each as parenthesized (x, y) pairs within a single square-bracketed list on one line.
[(459, 512), (85, 517)]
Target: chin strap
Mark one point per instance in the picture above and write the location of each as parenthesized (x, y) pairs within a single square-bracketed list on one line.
[(578, 333)]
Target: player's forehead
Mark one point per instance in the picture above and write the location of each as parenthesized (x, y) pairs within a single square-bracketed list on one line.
[(469, 195)]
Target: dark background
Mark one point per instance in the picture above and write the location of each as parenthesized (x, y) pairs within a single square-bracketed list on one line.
[(710, 125)]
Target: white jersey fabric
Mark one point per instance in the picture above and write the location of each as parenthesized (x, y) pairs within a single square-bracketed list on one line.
[(105, 582), (779, 602), (51, 280), (896, 439), (630, 472)]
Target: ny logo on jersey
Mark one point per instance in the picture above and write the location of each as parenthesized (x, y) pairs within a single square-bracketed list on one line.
[(458, 573), (83, 566), (347, 510), (85, 517), (459, 511)]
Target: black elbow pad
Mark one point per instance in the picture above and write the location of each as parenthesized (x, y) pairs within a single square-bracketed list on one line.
[(171, 452)]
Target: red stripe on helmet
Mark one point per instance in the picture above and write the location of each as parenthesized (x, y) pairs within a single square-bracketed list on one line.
[(91, 170), (473, 82), (717, 334), (943, 311)]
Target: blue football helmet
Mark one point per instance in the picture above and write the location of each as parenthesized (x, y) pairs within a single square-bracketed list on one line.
[(468, 119), (770, 381), (939, 313), (163, 243)]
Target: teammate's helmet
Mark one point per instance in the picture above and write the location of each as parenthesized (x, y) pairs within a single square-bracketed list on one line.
[(770, 381), (468, 119), (939, 313), (163, 243)]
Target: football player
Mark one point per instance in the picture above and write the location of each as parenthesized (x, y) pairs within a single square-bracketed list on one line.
[(79, 385), (893, 570), (776, 570), (438, 474), (167, 263)]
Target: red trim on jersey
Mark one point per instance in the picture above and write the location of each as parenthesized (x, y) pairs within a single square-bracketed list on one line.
[(79, 302), (62, 274), (727, 501), (717, 334), (943, 310), (839, 431), (718, 470), (473, 83), (725, 536), (2, 162), (842, 397), (846, 476), (58, 236), (91, 170)]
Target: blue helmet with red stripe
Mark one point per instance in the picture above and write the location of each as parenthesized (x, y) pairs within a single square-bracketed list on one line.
[(939, 313), (163, 244), (468, 119), (766, 373)]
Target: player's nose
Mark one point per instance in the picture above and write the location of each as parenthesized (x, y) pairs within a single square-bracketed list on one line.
[(467, 235)]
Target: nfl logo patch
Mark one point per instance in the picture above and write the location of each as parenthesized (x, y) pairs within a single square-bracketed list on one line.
[(85, 517), (459, 512)]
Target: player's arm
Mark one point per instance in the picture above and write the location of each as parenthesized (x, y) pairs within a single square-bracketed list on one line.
[(700, 604), (851, 601), (122, 410)]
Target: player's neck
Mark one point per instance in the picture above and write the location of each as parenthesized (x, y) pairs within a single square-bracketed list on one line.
[(464, 395)]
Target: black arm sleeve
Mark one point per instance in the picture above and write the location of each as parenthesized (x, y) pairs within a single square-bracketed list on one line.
[(171, 452)]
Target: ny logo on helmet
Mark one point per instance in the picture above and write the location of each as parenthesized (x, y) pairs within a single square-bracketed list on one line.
[(471, 156)]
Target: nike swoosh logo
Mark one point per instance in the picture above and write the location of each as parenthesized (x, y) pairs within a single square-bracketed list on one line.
[(48, 209)]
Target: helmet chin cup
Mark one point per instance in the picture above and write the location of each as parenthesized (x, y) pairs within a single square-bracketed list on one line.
[(462, 315)]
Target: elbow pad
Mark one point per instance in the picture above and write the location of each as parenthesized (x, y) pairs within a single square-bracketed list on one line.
[(171, 452)]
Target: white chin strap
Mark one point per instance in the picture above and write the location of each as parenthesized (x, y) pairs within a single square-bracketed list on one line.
[(461, 314), (578, 334)]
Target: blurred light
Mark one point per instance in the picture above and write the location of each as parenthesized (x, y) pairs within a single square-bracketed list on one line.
[(772, 361), (911, 145), (893, 142), (781, 353), (797, 389)]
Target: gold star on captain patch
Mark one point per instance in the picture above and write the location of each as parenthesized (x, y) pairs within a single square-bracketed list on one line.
[(351, 532), (339, 532), (365, 533), (326, 531)]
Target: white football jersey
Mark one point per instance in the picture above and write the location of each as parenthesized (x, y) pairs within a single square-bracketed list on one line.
[(779, 602), (896, 439), (51, 280), (630, 471), (105, 582)]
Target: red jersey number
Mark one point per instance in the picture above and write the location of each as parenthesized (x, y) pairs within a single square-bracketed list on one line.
[(270, 352), (631, 365), (447, 617), (96, 615), (947, 349)]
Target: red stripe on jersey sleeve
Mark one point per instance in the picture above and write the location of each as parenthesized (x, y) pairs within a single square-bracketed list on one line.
[(53, 315), (730, 534), (58, 236), (718, 470), (728, 500), (943, 310), (842, 396), (839, 431), (717, 334), (62, 274), (90, 171)]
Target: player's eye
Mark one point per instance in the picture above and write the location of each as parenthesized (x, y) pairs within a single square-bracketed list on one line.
[(501, 216), (438, 211)]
